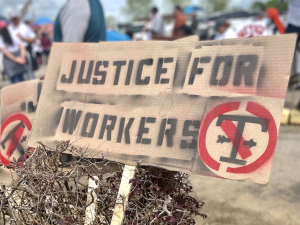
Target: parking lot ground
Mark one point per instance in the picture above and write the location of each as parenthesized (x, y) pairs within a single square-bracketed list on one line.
[(237, 203)]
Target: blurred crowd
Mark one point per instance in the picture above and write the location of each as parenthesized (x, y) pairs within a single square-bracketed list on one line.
[(25, 46), (155, 25), (223, 25)]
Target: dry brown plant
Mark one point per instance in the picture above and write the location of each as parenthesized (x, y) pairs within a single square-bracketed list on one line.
[(47, 189)]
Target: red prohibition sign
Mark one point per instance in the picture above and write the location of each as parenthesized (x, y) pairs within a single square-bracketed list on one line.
[(17, 136), (253, 108)]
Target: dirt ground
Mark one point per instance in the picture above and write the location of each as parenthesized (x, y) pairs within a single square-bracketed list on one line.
[(237, 203)]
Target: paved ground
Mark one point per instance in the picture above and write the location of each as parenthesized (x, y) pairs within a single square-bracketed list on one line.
[(237, 203)]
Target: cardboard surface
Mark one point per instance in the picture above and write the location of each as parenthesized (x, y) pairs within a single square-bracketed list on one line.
[(18, 106), (146, 101)]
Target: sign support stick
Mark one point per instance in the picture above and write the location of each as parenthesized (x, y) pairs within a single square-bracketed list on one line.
[(90, 213), (123, 195)]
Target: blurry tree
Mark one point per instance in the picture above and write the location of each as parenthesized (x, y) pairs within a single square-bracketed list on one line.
[(237, 8), (172, 3), (270, 4), (110, 21), (259, 5), (137, 9), (215, 5)]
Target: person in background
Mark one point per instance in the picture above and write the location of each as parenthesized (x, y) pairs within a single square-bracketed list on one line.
[(27, 37), (80, 21), (222, 28), (46, 44), (194, 25), (184, 31), (3, 24), (14, 56), (38, 50), (293, 18), (180, 20), (156, 24), (129, 32), (293, 21)]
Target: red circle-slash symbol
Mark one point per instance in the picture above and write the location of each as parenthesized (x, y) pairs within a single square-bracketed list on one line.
[(14, 136), (233, 134)]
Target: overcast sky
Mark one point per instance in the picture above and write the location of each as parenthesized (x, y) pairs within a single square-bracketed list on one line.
[(50, 8)]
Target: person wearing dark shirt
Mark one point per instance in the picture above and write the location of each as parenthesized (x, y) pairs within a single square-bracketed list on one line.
[(46, 44), (80, 21)]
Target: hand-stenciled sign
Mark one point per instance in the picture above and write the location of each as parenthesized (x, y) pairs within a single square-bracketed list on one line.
[(18, 106), (210, 108)]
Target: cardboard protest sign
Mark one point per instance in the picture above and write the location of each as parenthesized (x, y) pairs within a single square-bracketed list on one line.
[(18, 106), (210, 108)]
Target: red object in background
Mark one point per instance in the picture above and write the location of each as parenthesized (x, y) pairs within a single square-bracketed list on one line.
[(274, 16), (3, 24), (46, 43)]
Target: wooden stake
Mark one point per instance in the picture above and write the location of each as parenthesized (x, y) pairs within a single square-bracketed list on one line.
[(123, 195), (90, 213)]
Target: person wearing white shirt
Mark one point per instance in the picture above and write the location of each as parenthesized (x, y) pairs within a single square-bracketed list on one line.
[(222, 30), (14, 56), (156, 24), (27, 37)]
